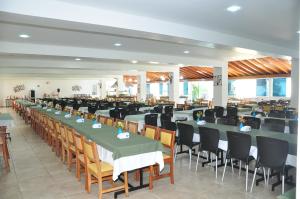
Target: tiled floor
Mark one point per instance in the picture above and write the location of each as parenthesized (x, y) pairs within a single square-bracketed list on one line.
[(37, 173)]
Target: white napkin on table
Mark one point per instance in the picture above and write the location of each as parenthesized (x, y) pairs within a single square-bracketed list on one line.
[(80, 120), (124, 135), (97, 126)]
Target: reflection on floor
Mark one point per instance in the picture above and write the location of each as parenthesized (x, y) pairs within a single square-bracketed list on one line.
[(37, 173)]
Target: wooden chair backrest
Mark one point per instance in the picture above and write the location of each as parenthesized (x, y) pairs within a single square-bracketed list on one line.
[(132, 127)]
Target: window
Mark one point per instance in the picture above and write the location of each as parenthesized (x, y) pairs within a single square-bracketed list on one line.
[(185, 87), (242, 88), (279, 87), (262, 87)]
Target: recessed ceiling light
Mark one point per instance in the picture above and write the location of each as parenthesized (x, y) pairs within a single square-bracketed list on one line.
[(153, 62), (233, 8), (117, 44), (25, 36), (134, 61), (130, 80), (186, 52), (162, 78), (77, 59)]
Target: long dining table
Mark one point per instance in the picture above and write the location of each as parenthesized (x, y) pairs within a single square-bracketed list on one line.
[(223, 143), (124, 154)]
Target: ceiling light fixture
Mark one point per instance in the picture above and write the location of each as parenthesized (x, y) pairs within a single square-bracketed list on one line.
[(148, 80), (24, 36), (134, 61), (186, 52), (153, 62), (162, 78), (298, 31), (246, 51), (233, 8), (77, 59), (118, 44), (181, 77), (130, 80)]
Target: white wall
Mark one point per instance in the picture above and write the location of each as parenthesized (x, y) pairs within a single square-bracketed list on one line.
[(47, 86)]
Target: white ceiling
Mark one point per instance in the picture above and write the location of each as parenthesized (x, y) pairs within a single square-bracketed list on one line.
[(273, 21), (56, 40)]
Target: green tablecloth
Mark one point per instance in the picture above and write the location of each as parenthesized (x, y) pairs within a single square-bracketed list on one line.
[(5, 116), (25, 103), (107, 137), (291, 138)]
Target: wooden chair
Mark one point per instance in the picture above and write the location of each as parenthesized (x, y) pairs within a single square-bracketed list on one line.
[(120, 121), (71, 150), (99, 171), (167, 138), (132, 127), (4, 149), (57, 141), (80, 163), (102, 119), (150, 132), (109, 121), (64, 142)]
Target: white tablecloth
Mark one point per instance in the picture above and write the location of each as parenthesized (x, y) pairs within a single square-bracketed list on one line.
[(130, 163), (102, 113), (83, 109)]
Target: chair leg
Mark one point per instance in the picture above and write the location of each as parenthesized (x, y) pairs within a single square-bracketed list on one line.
[(265, 178), (175, 153), (88, 182), (231, 165), (216, 166), (282, 189), (190, 153), (224, 169), (126, 183), (78, 169), (240, 166), (197, 160), (255, 170), (150, 177), (247, 167), (100, 192), (172, 172)]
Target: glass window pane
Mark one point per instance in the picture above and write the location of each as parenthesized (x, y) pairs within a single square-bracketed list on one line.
[(231, 89), (185, 87), (279, 87), (160, 88), (261, 87)]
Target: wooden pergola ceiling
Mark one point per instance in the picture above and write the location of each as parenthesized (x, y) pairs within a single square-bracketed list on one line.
[(250, 68)]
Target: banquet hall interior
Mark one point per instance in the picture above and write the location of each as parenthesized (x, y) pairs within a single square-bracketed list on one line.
[(149, 99)]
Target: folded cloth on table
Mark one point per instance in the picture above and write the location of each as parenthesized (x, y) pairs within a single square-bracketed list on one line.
[(124, 135), (97, 126)]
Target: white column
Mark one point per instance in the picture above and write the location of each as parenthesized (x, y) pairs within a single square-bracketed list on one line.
[(120, 84), (103, 91), (295, 84), (220, 86), (174, 86), (142, 86)]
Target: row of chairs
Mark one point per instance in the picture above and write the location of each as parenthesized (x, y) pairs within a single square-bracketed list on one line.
[(73, 148), (4, 147), (272, 153)]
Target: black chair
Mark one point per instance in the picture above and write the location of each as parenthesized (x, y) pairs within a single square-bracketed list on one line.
[(151, 119), (209, 142), (178, 109), (274, 125), (272, 154), (171, 126), (253, 122), (290, 114), (195, 117), (277, 114), (123, 113), (209, 116), (185, 137), (293, 126), (239, 145), (219, 110), (169, 110), (165, 117), (115, 113), (255, 113), (157, 109)]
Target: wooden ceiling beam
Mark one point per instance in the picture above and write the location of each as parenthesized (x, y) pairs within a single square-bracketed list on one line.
[(244, 72), (261, 76), (248, 68), (274, 70), (265, 69)]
